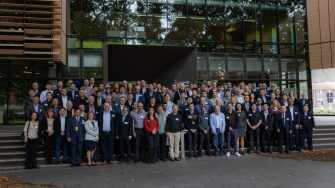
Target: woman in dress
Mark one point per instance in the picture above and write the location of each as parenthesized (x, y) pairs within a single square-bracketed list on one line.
[(91, 137), (241, 127)]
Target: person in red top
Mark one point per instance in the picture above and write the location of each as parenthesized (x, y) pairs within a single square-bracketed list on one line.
[(152, 135)]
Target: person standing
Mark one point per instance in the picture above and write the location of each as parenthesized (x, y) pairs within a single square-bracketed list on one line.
[(31, 134), (173, 127), (231, 129), (218, 125), (241, 127), (91, 137), (267, 128), (296, 132), (307, 125), (75, 134), (124, 130), (60, 128), (161, 117), (284, 128), (48, 130), (138, 132), (204, 128), (254, 121), (151, 125), (191, 124), (107, 121)]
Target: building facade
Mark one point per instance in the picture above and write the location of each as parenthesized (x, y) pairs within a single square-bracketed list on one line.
[(236, 40)]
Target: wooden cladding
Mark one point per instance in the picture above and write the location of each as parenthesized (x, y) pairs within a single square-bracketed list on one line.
[(32, 30)]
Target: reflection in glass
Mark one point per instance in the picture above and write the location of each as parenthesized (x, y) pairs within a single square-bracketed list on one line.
[(93, 64), (217, 67), (254, 67), (289, 68), (235, 68), (271, 68), (202, 67)]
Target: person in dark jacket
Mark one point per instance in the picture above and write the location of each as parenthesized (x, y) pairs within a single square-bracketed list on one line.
[(266, 129), (231, 129), (123, 132), (284, 128), (60, 135), (75, 133), (204, 128), (307, 125), (48, 130), (191, 124), (173, 127)]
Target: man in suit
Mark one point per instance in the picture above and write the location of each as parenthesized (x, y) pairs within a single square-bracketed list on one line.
[(92, 107), (138, 96), (307, 125), (263, 96), (284, 129), (130, 101), (63, 98), (303, 102), (124, 130), (107, 121), (57, 92), (266, 129), (72, 93), (149, 94), (192, 125), (60, 134), (99, 101), (75, 133), (34, 107), (118, 108), (139, 132), (295, 116)]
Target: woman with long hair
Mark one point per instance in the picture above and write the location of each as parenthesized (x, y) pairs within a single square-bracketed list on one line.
[(151, 125), (47, 126), (241, 127)]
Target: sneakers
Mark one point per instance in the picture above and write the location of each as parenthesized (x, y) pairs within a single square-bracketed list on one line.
[(228, 154), (237, 154)]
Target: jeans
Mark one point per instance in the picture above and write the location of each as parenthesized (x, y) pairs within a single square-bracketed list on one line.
[(192, 141), (231, 137), (139, 143), (61, 141), (218, 141)]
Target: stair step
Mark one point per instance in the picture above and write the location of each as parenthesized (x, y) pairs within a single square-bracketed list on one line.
[(17, 154), (10, 142), (18, 162)]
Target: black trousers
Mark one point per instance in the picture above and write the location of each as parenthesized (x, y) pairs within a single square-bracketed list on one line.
[(253, 135), (107, 144), (284, 136), (139, 143), (192, 142), (125, 145), (308, 134), (48, 147), (152, 145), (31, 150), (162, 146), (204, 142), (266, 139)]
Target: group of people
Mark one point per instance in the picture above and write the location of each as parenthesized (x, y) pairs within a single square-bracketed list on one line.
[(147, 119)]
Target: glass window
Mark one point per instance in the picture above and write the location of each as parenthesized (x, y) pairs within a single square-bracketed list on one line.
[(289, 68), (234, 21), (269, 26), (254, 67), (235, 67), (271, 68), (93, 43), (196, 21), (217, 67), (251, 26), (156, 27), (92, 64), (285, 18), (3, 91), (202, 67), (73, 70), (73, 42), (115, 19), (74, 18), (302, 69), (215, 13), (93, 17), (176, 19), (300, 13), (136, 19)]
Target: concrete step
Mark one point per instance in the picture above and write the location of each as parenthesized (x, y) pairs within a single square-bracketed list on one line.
[(17, 155), (12, 142), (18, 162)]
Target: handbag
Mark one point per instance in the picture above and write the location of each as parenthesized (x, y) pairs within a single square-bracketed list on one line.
[(22, 134)]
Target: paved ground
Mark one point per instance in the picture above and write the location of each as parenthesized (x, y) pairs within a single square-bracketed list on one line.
[(247, 171)]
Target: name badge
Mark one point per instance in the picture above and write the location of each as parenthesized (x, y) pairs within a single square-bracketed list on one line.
[(206, 117), (220, 119), (76, 128), (250, 115), (193, 122), (141, 117), (296, 113), (177, 119), (126, 123), (40, 110), (82, 122), (187, 109), (287, 119), (113, 115), (189, 117), (45, 104), (227, 117), (76, 95), (239, 114), (309, 117)]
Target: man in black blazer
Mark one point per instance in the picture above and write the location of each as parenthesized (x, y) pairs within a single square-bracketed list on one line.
[(284, 129), (92, 107), (35, 106), (303, 102), (296, 132), (149, 94), (72, 93), (60, 135), (107, 120), (63, 98), (307, 126), (124, 130), (266, 129)]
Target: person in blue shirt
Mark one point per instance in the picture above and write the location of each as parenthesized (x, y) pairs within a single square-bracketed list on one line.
[(218, 124)]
